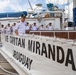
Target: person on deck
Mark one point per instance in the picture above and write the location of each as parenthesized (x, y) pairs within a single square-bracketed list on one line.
[(20, 27), (13, 28), (46, 28), (27, 26), (8, 29), (41, 27), (50, 26), (2, 29), (34, 27)]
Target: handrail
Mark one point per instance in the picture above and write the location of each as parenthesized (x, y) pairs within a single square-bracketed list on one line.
[(8, 71), (68, 34)]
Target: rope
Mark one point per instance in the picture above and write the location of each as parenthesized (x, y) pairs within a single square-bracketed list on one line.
[(20, 4), (8, 71), (14, 5)]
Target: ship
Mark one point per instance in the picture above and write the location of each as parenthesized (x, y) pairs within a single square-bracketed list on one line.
[(42, 52)]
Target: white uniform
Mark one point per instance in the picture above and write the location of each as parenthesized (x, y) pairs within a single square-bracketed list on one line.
[(2, 30), (34, 27), (8, 30), (27, 27), (21, 28), (50, 28), (46, 28), (66, 28), (41, 28), (14, 27)]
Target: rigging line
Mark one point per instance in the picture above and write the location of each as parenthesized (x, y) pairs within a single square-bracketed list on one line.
[(14, 5), (8, 71), (48, 1), (30, 4), (20, 4), (68, 10), (54, 2)]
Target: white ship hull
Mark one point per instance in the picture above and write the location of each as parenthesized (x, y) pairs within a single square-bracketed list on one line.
[(36, 55)]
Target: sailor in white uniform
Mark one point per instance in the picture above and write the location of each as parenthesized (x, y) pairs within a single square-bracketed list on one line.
[(27, 26), (8, 29), (2, 29), (46, 28), (50, 26), (13, 27), (41, 27), (20, 27), (34, 27)]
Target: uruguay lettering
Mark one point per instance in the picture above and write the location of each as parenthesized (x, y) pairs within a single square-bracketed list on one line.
[(26, 61), (51, 51)]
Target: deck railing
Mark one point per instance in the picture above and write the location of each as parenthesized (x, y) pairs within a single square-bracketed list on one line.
[(58, 34)]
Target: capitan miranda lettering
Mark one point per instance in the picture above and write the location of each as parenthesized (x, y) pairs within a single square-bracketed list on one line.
[(20, 42), (56, 53)]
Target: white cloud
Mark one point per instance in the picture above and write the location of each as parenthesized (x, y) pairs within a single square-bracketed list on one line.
[(3, 4)]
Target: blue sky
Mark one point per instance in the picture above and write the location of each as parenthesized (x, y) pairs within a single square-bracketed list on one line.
[(22, 5)]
